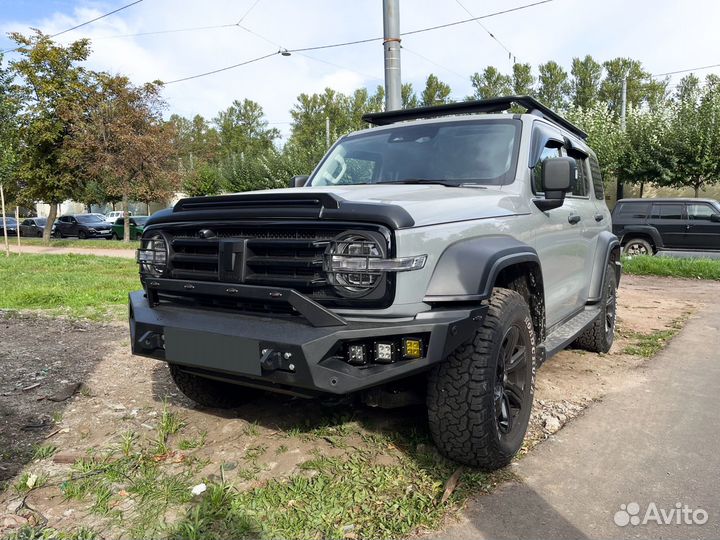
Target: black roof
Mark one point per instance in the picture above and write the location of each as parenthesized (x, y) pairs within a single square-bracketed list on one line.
[(667, 199), (498, 104)]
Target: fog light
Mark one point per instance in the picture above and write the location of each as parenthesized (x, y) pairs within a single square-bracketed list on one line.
[(412, 348), (384, 352), (357, 355)]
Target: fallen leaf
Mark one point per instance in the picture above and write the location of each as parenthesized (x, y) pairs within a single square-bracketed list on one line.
[(32, 479), (123, 493), (451, 484)]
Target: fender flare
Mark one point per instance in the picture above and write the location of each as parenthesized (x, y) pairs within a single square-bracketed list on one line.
[(607, 244), (646, 230), (467, 269)]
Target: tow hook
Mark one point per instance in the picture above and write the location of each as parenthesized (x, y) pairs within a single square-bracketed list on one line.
[(272, 360)]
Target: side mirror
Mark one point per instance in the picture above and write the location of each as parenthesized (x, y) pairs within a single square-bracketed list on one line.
[(715, 218), (558, 174), (299, 181)]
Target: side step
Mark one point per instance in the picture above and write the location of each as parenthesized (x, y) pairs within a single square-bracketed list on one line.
[(566, 333)]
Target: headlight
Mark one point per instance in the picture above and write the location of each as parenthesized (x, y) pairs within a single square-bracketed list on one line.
[(153, 254), (356, 263)]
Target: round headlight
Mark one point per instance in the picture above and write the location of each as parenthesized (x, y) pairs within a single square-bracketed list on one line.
[(153, 255), (346, 262)]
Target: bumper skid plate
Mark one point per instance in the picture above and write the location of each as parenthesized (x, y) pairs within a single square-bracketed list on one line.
[(287, 354)]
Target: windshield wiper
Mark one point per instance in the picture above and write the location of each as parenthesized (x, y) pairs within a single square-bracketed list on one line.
[(420, 181)]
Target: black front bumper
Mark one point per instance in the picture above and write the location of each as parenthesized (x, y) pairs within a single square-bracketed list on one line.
[(287, 354)]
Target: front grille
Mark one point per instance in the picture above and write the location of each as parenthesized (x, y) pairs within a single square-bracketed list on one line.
[(288, 256)]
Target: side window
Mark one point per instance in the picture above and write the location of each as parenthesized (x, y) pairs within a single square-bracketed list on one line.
[(65, 219), (119, 221), (667, 211), (27, 222), (634, 210), (537, 170), (598, 186), (700, 212), (579, 186)]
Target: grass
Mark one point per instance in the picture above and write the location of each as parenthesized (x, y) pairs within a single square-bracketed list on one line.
[(648, 345), (29, 532), (82, 286), (73, 243), (44, 451), (670, 267)]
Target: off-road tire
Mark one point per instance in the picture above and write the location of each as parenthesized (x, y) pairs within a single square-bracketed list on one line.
[(464, 411), (599, 336), (211, 393), (637, 246)]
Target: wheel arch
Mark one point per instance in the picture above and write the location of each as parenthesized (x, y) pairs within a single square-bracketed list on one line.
[(607, 252), (470, 269), (642, 231)]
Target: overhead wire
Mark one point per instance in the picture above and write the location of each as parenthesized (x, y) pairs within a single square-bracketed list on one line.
[(511, 56), (86, 22)]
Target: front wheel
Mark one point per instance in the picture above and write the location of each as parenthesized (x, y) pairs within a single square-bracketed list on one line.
[(209, 392), (479, 399), (82, 235)]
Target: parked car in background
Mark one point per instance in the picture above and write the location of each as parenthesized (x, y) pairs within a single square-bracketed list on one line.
[(33, 226), (646, 226), (112, 216), (12, 226), (83, 226), (137, 225)]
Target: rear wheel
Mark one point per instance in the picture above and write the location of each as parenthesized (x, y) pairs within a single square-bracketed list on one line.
[(211, 393), (82, 235), (39, 234), (638, 246), (479, 399)]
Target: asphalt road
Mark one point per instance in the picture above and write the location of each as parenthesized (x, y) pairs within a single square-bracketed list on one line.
[(656, 440)]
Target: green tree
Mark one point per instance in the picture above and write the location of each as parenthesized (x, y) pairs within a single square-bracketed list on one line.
[(695, 134), (53, 88), (644, 157), (242, 128), (120, 140), (9, 132), (491, 83), (604, 135), (409, 97), (553, 85), (586, 75), (523, 81), (641, 88), (436, 92)]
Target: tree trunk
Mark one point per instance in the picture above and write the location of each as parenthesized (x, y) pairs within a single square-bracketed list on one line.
[(697, 189), (50, 220), (126, 224), (642, 185)]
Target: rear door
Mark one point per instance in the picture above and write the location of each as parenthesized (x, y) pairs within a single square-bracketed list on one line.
[(702, 231), (670, 221)]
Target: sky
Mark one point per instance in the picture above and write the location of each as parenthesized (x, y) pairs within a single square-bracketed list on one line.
[(666, 35)]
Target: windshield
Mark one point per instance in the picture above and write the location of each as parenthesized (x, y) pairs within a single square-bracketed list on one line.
[(90, 218), (41, 221), (480, 152), (9, 220)]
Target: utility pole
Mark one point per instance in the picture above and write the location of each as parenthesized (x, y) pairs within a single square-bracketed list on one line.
[(620, 193), (327, 132), (391, 45)]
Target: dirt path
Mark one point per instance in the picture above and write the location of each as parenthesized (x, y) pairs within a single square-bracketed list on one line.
[(271, 437), (49, 250)]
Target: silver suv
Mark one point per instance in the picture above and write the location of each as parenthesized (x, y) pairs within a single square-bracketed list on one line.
[(439, 257)]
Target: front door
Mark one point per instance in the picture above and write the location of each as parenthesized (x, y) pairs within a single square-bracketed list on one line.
[(702, 231)]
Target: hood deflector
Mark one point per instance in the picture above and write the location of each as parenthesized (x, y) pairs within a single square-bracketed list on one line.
[(312, 205)]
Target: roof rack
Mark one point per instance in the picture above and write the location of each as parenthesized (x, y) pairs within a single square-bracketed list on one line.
[(491, 105)]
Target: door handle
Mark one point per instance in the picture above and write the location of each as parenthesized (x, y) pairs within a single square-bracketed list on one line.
[(574, 219), (599, 217)]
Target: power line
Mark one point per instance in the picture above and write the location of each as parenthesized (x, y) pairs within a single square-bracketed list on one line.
[(510, 54), (685, 70), (248, 12), (169, 31), (246, 62), (464, 77), (86, 22), (286, 52)]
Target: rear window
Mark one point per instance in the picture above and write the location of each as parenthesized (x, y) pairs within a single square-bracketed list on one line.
[(633, 210)]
